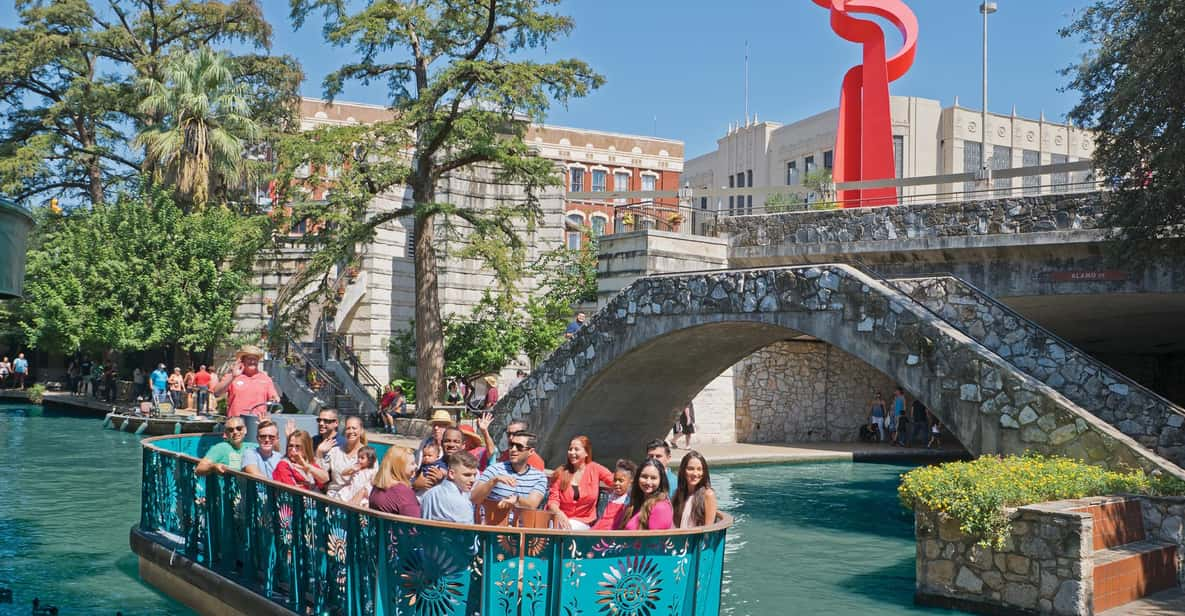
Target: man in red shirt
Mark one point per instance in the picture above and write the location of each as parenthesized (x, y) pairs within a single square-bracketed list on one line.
[(201, 382), (247, 388)]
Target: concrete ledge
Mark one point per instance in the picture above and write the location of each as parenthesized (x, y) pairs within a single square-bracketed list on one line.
[(966, 605), (195, 586)]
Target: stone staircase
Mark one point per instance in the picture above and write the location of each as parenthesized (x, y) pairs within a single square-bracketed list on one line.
[(1149, 419), (1128, 565)]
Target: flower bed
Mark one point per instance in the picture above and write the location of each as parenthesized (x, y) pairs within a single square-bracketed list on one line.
[(977, 493)]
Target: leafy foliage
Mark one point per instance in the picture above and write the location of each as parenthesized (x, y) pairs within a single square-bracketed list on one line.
[(68, 85), (976, 493), (138, 273), (1131, 89), (460, 93)]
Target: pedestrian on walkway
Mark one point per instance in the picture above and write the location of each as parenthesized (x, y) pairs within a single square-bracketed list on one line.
[(20, 368), (5, 371), (877, 415)]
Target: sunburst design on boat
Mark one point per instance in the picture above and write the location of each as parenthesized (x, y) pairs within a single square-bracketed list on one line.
[(632, 588)]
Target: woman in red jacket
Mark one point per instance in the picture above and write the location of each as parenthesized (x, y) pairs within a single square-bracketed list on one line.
[(297, 468), (575, 487)]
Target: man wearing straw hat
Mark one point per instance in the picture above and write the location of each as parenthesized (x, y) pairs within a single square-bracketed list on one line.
[(247, 389)]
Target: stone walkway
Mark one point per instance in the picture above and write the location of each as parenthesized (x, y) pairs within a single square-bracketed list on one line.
[(1167, 603), (734, 454)]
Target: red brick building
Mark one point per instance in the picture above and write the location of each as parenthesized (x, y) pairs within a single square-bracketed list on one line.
[(598, 161)]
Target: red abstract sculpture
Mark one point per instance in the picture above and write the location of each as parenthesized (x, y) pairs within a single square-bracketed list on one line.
[(864, 141)]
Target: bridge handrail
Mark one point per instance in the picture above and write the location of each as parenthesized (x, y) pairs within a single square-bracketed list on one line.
[(1068, 347), (307, 551)]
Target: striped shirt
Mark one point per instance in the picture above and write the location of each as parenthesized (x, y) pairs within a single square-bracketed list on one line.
[(533, 480)]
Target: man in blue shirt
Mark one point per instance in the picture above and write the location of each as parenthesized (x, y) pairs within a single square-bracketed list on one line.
[(449, 501), (575, 326), (160, 382), (262, 460), (20, 369), (514, 483)]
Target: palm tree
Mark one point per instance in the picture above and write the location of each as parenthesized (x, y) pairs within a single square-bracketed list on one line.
[(203, 126)]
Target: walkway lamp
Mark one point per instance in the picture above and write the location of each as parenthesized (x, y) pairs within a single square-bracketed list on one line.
[(987, 8)]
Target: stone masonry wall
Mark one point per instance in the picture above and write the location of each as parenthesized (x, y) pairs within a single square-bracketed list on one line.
[(1164, 520), (1135, 410), (600, 382), (795, 392), (932, 220), (1044, 567)]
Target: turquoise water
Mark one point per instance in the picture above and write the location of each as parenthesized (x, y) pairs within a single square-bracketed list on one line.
[(812, 539), (817, 539), (69, 493)]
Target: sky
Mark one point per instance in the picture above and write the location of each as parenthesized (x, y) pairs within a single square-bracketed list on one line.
[(676, 69)]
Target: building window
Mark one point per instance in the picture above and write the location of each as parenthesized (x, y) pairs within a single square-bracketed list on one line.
[(1059, 181), (621, 182), (749, 204), (1001, 159), (808, 164), (829, 159), (573, 240), (1031, 183), (577, 184), (899, 156), (730, 205), (648, 182), (599, 180), (731, 181), (598, 226), (791, 173), (971, 162), (749, 178), (740, 180), (703, 203)]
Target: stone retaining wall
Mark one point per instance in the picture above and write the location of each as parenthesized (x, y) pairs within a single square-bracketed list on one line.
[(932, 220), (1164, 520), (796, 392), (1136, 411), (1044, 567)]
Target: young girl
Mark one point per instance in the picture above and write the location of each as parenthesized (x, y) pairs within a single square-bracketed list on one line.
[(623, 475), (649, 508), (360, 476), (695, 500)]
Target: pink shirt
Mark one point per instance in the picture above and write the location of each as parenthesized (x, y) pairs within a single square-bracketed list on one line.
[(662, 517), (245, 392)]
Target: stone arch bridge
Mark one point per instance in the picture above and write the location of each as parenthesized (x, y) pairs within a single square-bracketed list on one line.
[(663, 338)]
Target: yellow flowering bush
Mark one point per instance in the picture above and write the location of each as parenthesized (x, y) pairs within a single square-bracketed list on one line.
[(976, 493)]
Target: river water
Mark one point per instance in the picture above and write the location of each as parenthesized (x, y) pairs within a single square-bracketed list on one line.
[(816, 539)]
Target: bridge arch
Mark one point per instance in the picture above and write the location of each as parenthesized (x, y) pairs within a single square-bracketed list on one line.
[(663, 338)]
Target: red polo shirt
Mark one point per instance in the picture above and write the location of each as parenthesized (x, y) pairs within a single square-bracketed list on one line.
[(247, 391)]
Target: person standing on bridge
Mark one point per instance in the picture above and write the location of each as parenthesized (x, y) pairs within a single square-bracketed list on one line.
[(247, 388), (574, 326)]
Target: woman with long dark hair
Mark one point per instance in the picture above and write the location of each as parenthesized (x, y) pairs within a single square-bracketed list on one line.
[(649, 507), (695, 500), (575, 487)]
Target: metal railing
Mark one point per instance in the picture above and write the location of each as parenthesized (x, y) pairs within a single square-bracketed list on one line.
[(326, 383), (313, 554), (342, 352), (694, 219)]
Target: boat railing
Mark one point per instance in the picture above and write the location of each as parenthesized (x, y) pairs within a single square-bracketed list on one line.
[(313, 554)]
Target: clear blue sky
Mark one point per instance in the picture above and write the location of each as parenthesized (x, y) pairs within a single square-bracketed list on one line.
[(683, 62)]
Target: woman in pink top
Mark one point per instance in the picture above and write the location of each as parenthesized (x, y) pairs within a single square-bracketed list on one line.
[(649, 508), (575, 487)]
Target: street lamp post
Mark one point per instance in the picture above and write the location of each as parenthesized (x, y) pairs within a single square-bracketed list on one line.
[(987, 8)]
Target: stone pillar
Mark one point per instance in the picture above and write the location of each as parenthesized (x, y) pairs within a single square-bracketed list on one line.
[(625, 257)]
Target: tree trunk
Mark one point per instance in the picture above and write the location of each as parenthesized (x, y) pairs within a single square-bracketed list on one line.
[(429, 331), (95, 180)]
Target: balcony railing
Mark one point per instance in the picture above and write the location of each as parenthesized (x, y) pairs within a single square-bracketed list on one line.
[(312, 554)]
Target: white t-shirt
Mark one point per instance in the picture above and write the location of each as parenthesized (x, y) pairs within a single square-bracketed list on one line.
[(336, 462)]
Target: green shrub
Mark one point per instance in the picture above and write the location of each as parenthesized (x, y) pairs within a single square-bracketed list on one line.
[(409, 388), (976, 493), (36, 393)]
